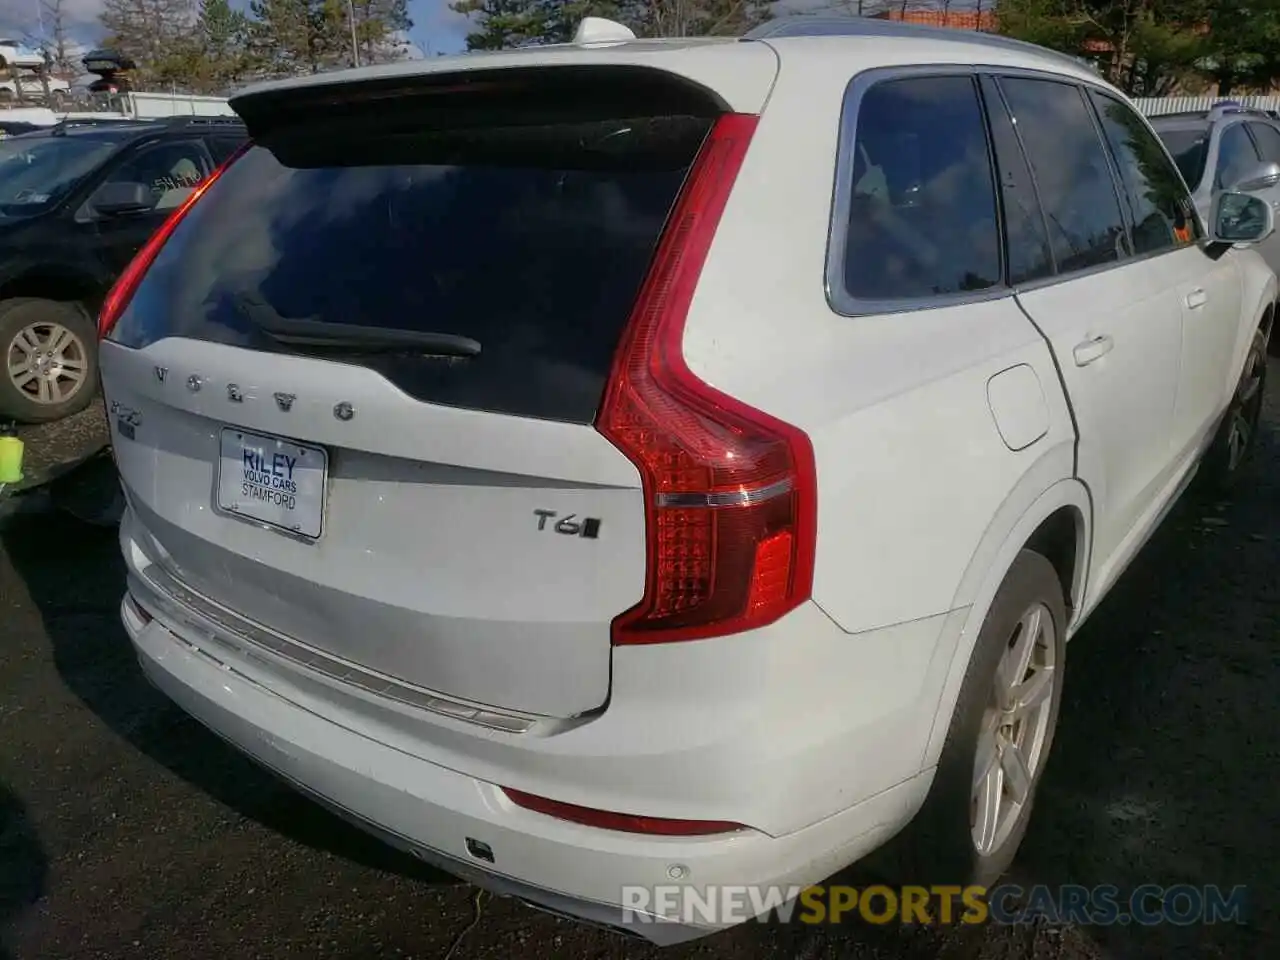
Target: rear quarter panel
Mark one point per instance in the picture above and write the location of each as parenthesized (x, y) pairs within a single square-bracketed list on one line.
[(912, 469)]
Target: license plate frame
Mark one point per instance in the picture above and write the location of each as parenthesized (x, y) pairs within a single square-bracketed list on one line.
[(258, 493)]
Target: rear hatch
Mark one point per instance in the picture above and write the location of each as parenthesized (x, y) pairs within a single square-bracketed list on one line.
[(353, 395)]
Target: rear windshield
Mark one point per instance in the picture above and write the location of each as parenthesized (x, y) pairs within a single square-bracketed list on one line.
[(530, 240), (1188, 146)]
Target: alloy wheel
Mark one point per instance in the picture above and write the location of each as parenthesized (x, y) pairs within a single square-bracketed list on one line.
[(1015, 729), (47, 363), (1246, 407)]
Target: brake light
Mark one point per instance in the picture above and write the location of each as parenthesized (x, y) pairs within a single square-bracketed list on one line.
[(126, 284), (730, 492), (625, 822)]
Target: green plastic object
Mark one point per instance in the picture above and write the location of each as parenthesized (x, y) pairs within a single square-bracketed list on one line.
[(10, 458)]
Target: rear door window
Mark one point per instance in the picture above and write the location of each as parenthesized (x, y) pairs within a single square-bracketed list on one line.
[(1189, 147), (1267, 138), (1026, 239), (921, 219), (1236, 156), (170, 171), (529, 238), (1072, 172)]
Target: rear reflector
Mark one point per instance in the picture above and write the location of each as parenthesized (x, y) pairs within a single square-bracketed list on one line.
[(730, 491), (627, 823), (127, 283)]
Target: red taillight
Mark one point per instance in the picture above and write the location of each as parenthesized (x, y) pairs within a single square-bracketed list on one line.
[(730, 491), (628, 823), (127, 283)]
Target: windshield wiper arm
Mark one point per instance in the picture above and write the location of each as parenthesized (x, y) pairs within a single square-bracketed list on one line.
[(309, 332)]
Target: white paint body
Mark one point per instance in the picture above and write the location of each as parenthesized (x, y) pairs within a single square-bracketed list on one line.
[(943, 438)]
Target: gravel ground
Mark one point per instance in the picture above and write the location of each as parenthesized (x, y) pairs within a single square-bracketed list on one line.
[(53, 449), (126, 830)]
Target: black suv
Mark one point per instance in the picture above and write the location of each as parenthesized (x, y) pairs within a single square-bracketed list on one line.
[(77, 201)]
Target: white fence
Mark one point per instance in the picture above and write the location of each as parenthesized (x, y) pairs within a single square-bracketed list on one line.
[(1154, 106)]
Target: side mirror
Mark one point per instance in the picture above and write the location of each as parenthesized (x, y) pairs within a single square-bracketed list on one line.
[(1240, 218), (118, 199), (1260, 176)]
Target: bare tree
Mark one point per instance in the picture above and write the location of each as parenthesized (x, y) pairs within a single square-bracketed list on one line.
[(56, 41)]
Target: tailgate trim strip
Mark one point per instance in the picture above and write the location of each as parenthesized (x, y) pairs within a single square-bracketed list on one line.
[(248, 638)]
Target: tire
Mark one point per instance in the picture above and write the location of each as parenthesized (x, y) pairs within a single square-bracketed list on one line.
[(1237, 435), (53, 384), (940, 846)]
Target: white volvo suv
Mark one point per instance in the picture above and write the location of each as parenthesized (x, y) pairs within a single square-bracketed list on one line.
[(629, 463)]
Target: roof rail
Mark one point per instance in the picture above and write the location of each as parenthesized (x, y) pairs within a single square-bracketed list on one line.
[(190, 120), (68, 123), (800, 25), (1215, 112), (1229, 107)]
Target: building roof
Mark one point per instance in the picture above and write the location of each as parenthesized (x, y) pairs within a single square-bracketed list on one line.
[(983, 20)]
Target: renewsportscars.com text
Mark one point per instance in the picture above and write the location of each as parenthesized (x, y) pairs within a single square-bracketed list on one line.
[(1106, 905)]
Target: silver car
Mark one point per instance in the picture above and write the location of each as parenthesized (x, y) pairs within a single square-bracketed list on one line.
[(1227, 148)]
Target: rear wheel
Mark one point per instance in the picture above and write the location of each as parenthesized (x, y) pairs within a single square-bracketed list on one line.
[(978, 808), (50, 353)]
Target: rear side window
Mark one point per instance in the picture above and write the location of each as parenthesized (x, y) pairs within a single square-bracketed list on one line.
[(921, 219), (1072, 173), (529, 238), (1189, 147), (223, 147), (1158, 201)]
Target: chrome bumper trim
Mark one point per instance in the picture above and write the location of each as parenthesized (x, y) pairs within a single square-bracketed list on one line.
[(249, 639)]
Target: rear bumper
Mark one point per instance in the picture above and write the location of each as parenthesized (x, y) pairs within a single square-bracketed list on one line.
[(432, 811), (432, 793)]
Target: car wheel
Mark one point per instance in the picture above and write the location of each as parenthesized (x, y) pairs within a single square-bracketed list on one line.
[(1001, 732), (1238, 433), (50, 349)]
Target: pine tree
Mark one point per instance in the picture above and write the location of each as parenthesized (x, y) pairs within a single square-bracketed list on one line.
[(292, 37), (223, 58), (156, 34)]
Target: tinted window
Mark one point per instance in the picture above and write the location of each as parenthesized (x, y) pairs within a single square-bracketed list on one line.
[(1189, 147), (38, 170), (1026, 243), (171, 171), (532, 240), (1267, 138), (922, 213), (1158, 200), (223, 147), (1236, 155), (1074, 180)]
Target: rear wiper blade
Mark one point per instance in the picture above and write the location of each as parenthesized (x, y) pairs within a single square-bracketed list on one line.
[(308, 332)]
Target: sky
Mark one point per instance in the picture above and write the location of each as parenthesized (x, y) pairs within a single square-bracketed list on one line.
[(436, 29)]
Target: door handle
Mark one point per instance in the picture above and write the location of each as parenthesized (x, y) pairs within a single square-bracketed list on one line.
[(1091, 350), (1197, 298)]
